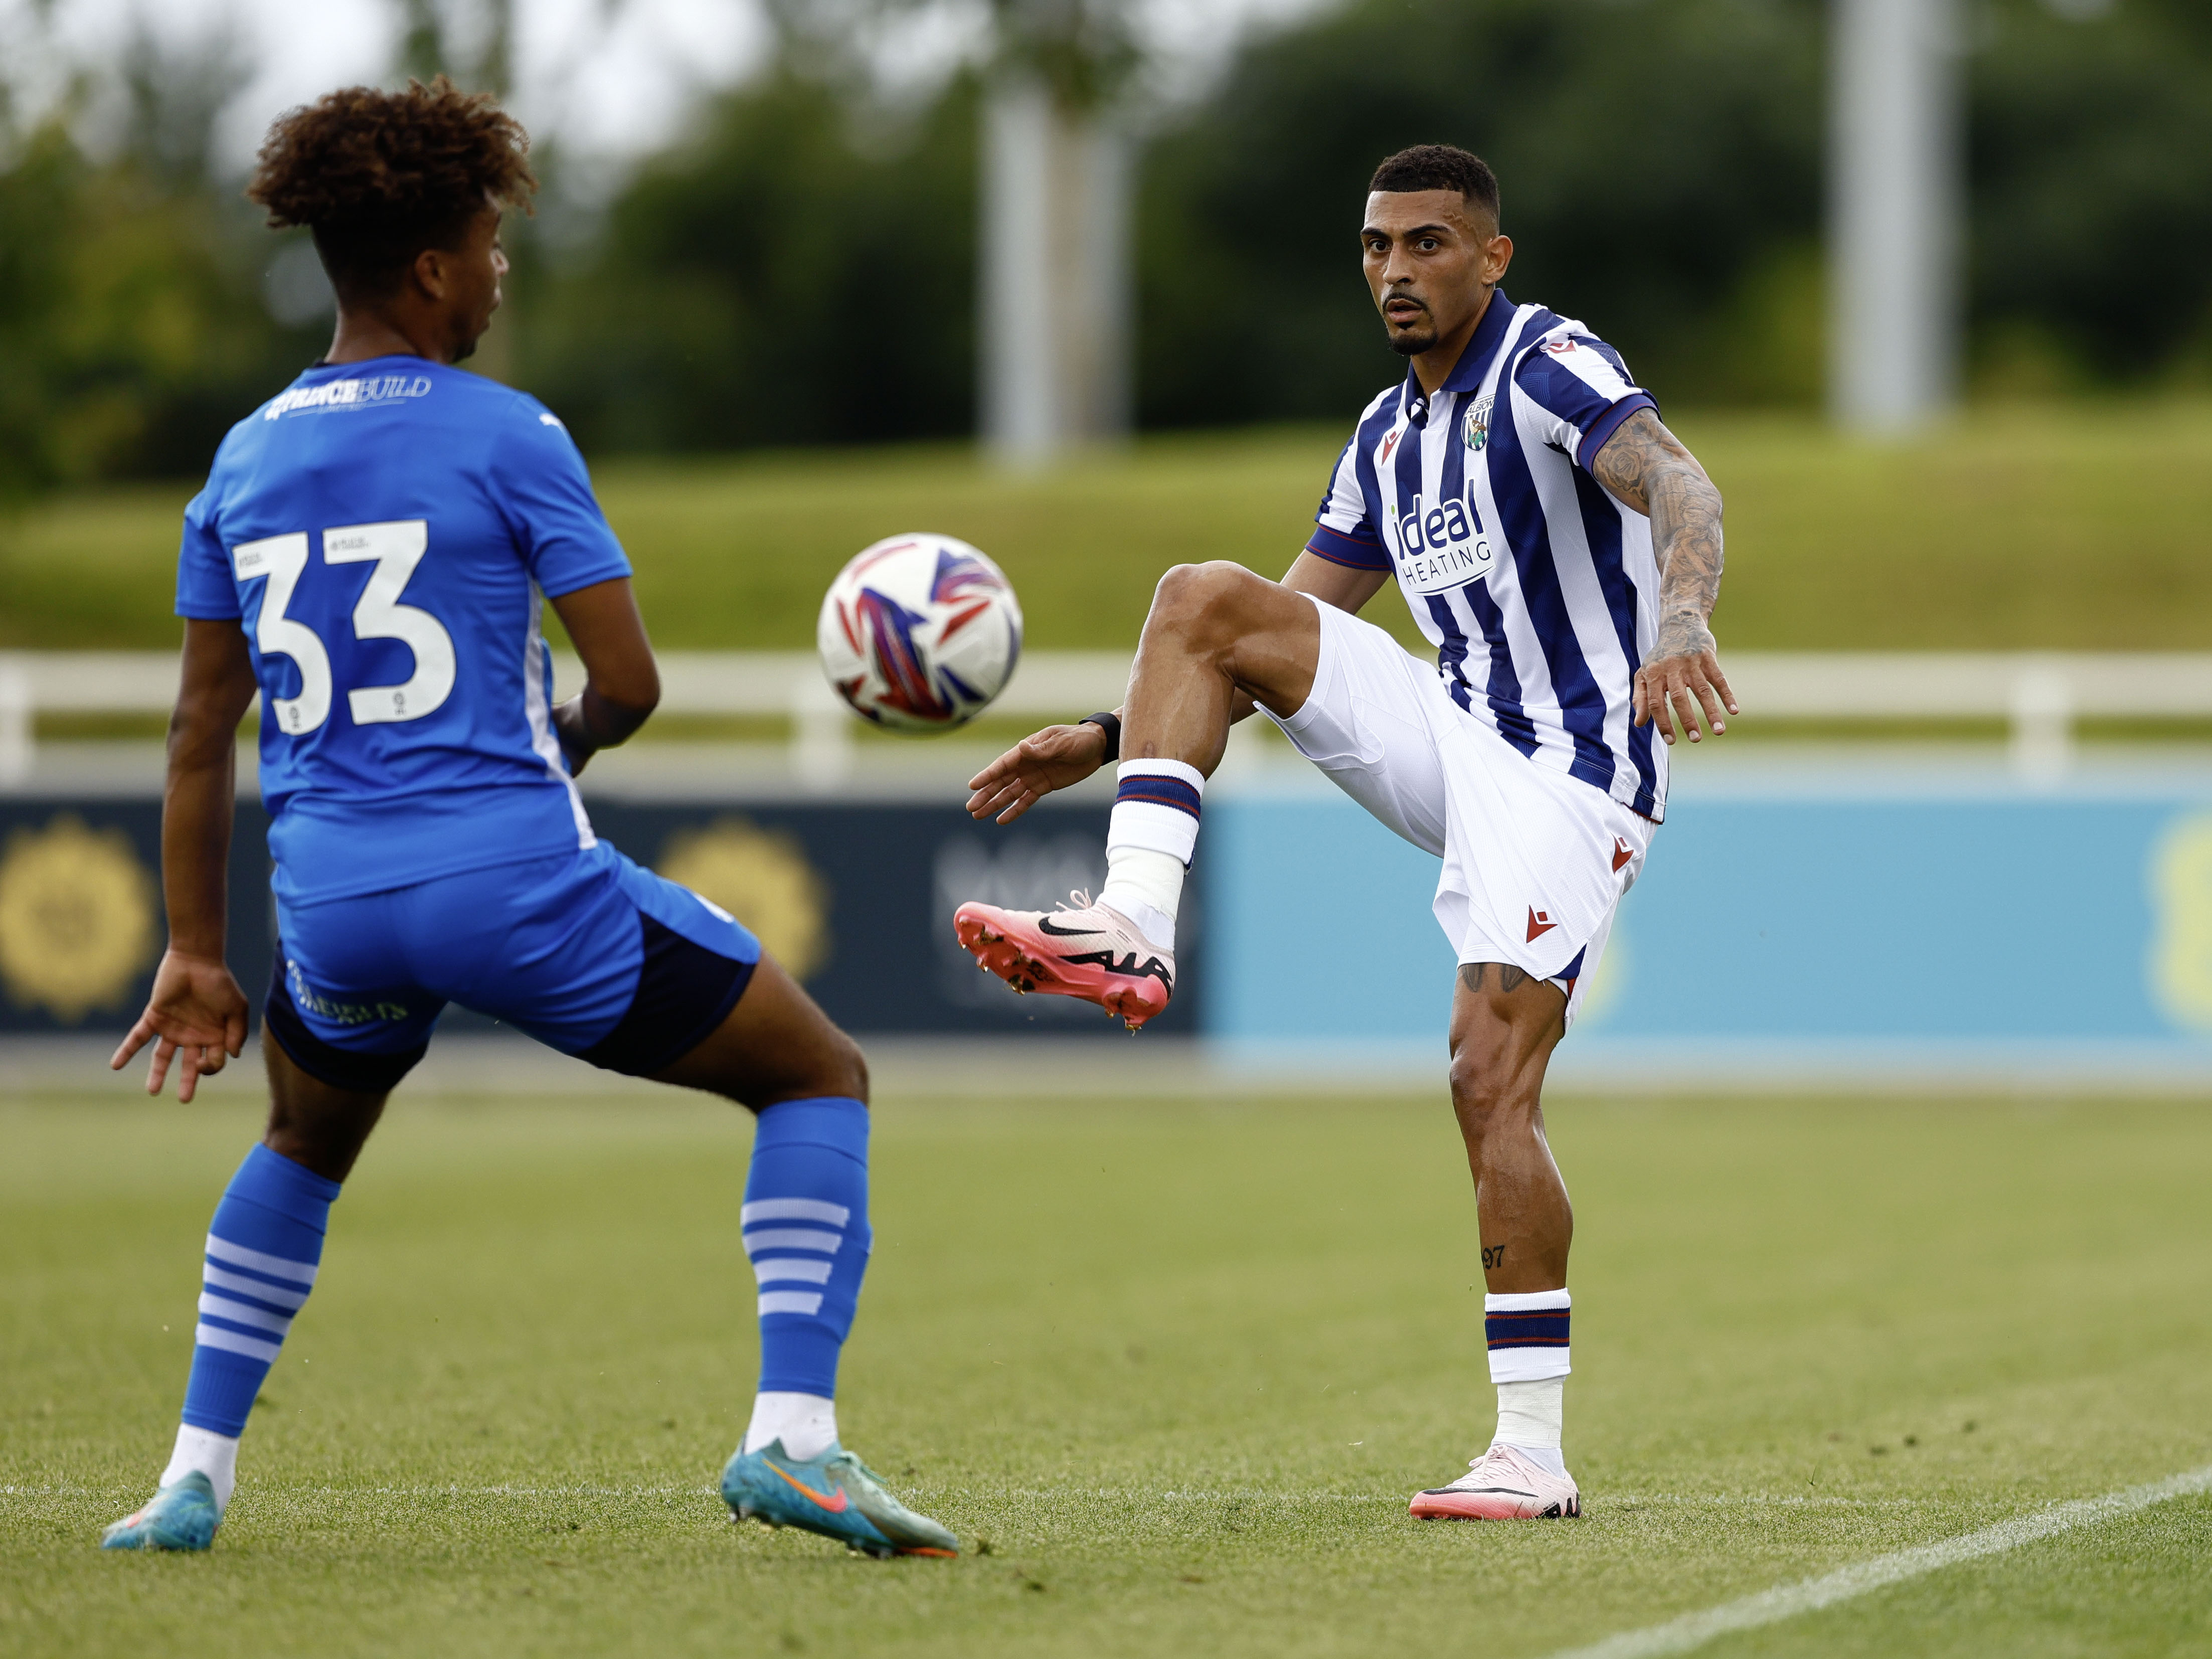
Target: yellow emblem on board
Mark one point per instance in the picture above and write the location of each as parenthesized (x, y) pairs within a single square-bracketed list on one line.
[(762, 878), (2181, 904), (1606, 981), (77, 919)]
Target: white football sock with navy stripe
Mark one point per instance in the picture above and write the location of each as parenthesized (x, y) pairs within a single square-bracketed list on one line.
[(1530, 1360), (1151, 839)]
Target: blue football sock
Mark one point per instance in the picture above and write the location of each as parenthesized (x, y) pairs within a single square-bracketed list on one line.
[(806, 1225), (262, 1250)]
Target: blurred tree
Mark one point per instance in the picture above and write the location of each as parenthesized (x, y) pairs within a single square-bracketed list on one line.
[(133, 330), (793, 275), (1083, 50), (2091, 170), (1659, 164), (1661, 172), (472, 41), (803, 268)]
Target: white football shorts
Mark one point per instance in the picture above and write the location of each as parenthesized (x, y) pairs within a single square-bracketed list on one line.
[(1534, 861)]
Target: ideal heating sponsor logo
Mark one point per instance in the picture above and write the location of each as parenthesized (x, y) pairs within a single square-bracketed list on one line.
[(1441, 548), (347, 394)]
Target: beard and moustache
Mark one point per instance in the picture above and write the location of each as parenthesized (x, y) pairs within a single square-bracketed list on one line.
[(1412, 342)]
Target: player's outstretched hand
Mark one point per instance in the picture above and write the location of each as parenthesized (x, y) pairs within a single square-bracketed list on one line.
[(196, 1016), (1682, 677), (1051, 759)]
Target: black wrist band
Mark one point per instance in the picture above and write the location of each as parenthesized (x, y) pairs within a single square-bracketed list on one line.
[(1111, 726)]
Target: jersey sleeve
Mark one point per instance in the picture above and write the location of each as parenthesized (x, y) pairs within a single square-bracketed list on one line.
[(539, 480), (1583, 390), (206, 589), (1344, 529)]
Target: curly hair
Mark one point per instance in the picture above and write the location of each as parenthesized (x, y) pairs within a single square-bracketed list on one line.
[(379, 176), (1440, 167)]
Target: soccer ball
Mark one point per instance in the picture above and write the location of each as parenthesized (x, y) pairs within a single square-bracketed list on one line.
[(919, 633)]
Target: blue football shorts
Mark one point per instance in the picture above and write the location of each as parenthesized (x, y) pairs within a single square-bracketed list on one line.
[(587, 952)]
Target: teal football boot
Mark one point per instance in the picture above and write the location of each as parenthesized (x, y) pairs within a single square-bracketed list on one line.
[(182, 1516), (835, 1495)]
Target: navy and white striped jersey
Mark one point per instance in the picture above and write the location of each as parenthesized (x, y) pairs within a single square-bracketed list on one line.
[(1537, 588)]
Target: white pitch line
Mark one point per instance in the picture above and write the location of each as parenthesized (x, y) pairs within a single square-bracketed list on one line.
[(1694, 1630)]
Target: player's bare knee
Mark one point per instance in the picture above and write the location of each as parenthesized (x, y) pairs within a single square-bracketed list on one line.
[(286, 1141), (1203, 603), (836, 1067), (1179, 599), (1485, 1095), (851, 1067), (327, 1145)]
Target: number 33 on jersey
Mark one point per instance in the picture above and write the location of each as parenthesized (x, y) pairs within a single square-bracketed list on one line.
[(395, 549), (383, 532)]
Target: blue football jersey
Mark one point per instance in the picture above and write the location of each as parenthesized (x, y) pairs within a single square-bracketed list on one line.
[(384, 532)]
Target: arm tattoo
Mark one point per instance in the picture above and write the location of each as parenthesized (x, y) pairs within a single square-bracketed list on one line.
[(1645, 466), (1510, 978)]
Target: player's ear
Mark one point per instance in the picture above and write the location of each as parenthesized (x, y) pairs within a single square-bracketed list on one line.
[(432, 272), (1495, 257)]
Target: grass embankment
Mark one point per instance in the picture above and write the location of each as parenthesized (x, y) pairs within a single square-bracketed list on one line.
[(2062, 527), (1180, 1365)]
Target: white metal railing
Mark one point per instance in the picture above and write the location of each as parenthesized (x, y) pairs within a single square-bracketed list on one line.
[(1048, 685), (2041, 696), (787, 684)]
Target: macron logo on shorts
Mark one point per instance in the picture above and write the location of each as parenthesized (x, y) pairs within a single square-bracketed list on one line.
[(1540, 923)]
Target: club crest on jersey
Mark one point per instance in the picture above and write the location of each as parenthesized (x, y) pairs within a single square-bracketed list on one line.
[(1441, 547), (1476, 430)]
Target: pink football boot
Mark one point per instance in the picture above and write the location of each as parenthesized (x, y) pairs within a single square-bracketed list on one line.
[(1083, 950), (1501, 1484)]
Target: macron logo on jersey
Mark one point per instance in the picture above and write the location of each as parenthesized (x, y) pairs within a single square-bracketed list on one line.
[(347, 394)]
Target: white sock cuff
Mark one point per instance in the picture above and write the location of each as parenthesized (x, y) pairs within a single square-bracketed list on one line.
[(1527, 1336), (1527, 1301), (805, 1423), (1530, 1365), (202, 1451), (1156, 807)]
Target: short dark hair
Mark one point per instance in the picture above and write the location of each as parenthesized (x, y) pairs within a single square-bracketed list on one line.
[(1440, 167), (379, 176)]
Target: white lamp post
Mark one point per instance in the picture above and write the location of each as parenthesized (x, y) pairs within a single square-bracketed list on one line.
[(1897, 198), (1054, 320)]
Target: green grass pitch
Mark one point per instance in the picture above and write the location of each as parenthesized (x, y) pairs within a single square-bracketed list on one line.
[(1180, 1364)]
